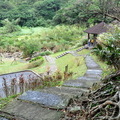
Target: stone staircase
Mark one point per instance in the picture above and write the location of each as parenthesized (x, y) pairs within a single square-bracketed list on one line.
[(74, 53), (46, 104), (85, 47)]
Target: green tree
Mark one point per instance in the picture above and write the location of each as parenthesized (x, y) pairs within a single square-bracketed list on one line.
[(110, 8), (47, 8), (108, 48), (10, 26)]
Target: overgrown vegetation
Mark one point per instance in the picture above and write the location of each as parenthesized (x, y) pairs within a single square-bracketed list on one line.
[(45, 42), (109, 48), (4, 101)]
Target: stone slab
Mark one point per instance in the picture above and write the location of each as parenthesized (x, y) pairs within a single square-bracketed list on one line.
[(29, 111), (93, 76), (94, 71), (85, 78), (72, 84), (68, 91), (46, 99), (91, 64), (76, 83), (1, 118), (81, 83)]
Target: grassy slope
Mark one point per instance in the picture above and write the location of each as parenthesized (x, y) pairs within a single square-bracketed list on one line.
[(10, 66), (75, 65), (34, 30)]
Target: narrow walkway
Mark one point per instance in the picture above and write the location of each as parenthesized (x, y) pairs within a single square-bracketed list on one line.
[(92, 75), (53, 67), (46, 104)]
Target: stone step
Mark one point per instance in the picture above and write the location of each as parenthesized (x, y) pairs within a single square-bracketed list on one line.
[(31, 111), (83, 82), (61, 90), (92, 73), (45, 104), (91, 64), (96, 76), (75, 84), (45, 99), (85, 78)]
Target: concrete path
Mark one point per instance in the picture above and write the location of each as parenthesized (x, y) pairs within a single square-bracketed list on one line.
[(92, 75), (52, 65), (46, 104)]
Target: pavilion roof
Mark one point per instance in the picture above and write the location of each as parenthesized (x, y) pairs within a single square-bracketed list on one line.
[(97, 29)]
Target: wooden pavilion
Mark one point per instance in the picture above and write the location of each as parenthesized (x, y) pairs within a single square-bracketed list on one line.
[(97, 29)]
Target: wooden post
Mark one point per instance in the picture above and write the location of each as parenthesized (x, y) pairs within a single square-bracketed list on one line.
[(88, 36)]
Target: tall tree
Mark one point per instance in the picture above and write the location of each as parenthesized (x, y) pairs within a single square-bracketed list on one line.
[(110, 8)]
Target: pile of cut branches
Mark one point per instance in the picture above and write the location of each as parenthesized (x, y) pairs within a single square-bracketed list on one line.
[(102, 104)]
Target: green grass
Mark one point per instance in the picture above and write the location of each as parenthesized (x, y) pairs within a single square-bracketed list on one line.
[(9, 66), (84, 52), (75, 65), (57, 54), (33, 30), (5, 101), (42, 68)]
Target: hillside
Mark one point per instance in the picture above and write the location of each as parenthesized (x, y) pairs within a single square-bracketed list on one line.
[(34, 13), (50, 68)]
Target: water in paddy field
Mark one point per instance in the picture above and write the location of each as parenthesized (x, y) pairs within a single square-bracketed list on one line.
[(14, 83)]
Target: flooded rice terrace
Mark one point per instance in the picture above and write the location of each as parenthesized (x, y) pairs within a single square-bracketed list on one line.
[(18, 82)]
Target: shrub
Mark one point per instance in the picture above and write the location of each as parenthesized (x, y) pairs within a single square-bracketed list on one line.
[(35, 63), (108, 48), (36, 58), (46, 53), (10, 26), (29, 46), (84, 41)]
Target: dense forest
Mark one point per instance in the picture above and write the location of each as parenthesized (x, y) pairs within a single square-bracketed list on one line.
[(34, 13)]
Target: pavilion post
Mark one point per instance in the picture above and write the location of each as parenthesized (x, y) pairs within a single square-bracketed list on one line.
[(88, 36)]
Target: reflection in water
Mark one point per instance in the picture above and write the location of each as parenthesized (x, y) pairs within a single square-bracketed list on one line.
[(18, 82)]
